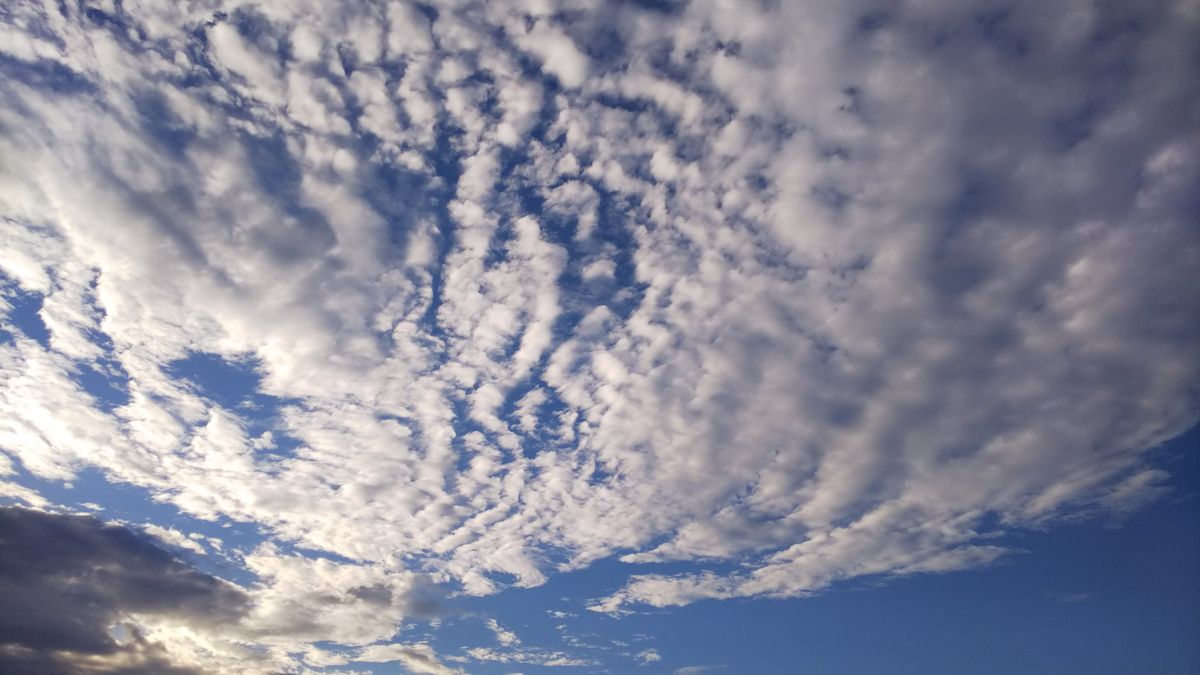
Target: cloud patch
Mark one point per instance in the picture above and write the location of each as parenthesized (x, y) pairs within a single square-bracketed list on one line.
[(77, 592)]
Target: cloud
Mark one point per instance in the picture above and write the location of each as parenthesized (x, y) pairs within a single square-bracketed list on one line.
[(648, 656), (418, 658), (1068, 598), (258, 69), (532, 656), (70, 582), (699, 303), (559, 55), (505, 637), (174, 537)]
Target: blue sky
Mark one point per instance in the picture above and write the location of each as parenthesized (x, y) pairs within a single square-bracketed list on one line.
[(555, 336)]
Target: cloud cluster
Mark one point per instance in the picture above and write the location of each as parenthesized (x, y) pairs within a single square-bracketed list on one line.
[(822, 289), (85, 596), (80, 596)]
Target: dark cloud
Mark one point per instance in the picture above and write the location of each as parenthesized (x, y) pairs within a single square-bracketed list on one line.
[(67, 581)]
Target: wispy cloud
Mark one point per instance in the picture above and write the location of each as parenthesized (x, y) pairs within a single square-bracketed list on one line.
[(1068, 598)]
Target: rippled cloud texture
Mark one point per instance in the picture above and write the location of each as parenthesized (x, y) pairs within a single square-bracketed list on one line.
[(789, 292)]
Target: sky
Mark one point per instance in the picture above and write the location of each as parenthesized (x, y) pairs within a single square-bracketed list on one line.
[(661, 337)]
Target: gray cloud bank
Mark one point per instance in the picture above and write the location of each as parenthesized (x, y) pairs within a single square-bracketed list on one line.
[(70, 584), (823, 289)]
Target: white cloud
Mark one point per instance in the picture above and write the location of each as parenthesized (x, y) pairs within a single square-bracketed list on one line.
[(505, 637), (246, 60), (22, 495), (649, 656), (174, 537), (540, 657), (417, 658), (559, 55)]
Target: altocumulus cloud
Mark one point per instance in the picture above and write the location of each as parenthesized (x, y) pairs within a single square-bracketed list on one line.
[(824, 289)]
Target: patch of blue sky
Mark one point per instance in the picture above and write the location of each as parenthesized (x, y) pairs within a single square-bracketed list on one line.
[(232, 384), (106, 381), (292, 548), (104, 378), (23, 316), (236, 385)]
